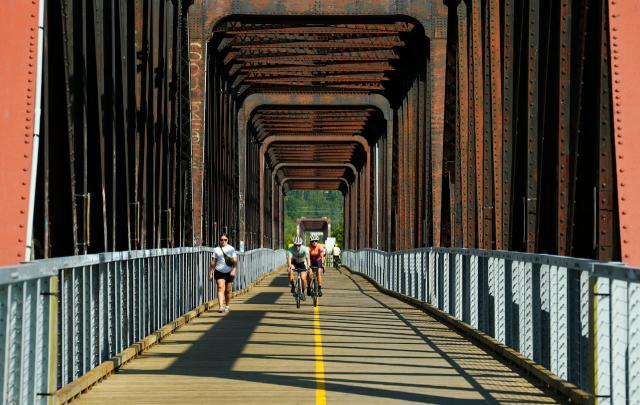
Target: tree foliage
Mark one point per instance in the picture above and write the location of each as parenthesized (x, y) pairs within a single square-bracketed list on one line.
[(314, 204)]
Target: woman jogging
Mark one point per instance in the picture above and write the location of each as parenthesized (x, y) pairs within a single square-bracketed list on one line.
[(223, 270)]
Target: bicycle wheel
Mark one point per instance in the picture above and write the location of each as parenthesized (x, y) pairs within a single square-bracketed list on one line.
[(314, 290), (298, 291)]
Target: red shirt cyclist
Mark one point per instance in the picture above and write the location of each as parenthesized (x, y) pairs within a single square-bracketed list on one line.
[(317, 255)]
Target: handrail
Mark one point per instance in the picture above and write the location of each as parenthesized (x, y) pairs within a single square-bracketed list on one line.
[(62, 317), (578, 318)]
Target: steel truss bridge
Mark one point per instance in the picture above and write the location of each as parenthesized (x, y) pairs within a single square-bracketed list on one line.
[(486, 153)]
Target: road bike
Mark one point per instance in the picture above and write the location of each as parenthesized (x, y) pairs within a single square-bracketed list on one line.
[(299, 291), (314, 284)]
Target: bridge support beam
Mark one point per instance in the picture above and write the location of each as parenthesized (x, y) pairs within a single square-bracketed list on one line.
[(624, 32), (18, 119)]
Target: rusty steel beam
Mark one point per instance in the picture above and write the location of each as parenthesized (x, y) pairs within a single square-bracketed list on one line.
[(334, 29), (197, 47), (624, 31), (564, 128), (607, 214), (334, 44), (316, 179), (508, 96), (17, 124), (437, 64), (369, 67), (216, 11), (308, 60), (496, 118), (463, 119), (533, 174), (478, 113)]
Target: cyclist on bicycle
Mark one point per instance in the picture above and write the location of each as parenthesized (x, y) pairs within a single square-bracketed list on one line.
[(317, 254), (298, 258)]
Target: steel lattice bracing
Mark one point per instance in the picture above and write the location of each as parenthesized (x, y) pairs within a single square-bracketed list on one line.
[(331, 68), (487, 142), (115, 161), (476, 123)]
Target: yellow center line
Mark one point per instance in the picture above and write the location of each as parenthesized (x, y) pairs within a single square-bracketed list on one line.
[(321, 398)]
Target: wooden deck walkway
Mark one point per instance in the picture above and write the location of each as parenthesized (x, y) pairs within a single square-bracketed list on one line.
[(374, 350)]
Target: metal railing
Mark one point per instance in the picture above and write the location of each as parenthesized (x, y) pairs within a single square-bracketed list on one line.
[(580, 319), (60, 318)]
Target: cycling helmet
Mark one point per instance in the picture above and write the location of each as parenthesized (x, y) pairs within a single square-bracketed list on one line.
[(314, 239), (298, 240)]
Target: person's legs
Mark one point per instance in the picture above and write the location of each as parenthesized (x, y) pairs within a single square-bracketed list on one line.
[(227, 293), (221, 293), (319, 275), (292, 279), (308, 279)]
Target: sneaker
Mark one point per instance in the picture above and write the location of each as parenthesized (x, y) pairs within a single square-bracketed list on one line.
[(319, 291), (309, 291), (226, 309), (221, 310)]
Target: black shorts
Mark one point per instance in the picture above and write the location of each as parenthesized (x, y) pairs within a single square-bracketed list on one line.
[(299, 266), (227, 277)]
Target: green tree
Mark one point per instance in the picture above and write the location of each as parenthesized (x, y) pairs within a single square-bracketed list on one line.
[(308, 203)]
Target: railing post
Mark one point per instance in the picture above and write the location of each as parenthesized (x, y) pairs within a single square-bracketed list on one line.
[(459, 291), (474, 292)]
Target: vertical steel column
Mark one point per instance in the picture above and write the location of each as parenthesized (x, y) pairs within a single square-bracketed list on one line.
[(487, 209), (496, 116), (564, 127), (242, 173), (422, 191), (606, 174), (389, 177), (478, 105), (402, 187), (463, 120), (508, 107), (412, 132), (623, 35), (437, 62), (197, 47), (72, 109), (533, 175)]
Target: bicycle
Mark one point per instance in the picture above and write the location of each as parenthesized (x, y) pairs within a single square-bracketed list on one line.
[(299, 291), (314, 285)]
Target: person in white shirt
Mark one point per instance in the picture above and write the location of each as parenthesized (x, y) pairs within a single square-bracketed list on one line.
[(336, 256), (222, 269)]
